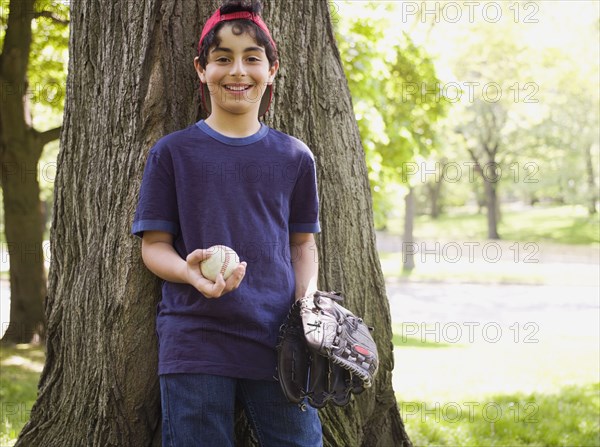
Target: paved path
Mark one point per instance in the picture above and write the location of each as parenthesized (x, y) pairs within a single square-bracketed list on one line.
[(561, 310), (567, 301)]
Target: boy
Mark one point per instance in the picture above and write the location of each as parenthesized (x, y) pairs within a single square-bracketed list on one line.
[(233, 181)]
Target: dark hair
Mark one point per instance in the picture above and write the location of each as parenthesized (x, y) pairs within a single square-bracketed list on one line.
[(240, 26)]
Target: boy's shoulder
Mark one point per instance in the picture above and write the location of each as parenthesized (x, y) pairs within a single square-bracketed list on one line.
[(176, 139), (290, 142)]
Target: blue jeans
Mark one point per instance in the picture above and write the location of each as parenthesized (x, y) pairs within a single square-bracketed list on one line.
[(199, 410)]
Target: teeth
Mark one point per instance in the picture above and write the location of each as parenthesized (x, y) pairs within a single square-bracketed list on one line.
[(237, 89)]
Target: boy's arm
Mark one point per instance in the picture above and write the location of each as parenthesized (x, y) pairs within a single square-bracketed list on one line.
[(160, 257), (305, 262)]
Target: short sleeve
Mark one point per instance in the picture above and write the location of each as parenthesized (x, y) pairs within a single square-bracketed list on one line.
[(157, 205), (304, 208)]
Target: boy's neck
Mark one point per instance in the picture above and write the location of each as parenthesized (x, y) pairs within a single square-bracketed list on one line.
[(234, 127)]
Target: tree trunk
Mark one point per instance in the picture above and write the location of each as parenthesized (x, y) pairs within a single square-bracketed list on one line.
[(24, 229), (591, 181), (434, 191), (312, 85), (492, 208), (20, 150), (125, 90), (408, 240)]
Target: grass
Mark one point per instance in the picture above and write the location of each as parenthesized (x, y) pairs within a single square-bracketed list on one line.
[(20, 368), (460, 394), (569, 418), (505, 394), (563, 225)]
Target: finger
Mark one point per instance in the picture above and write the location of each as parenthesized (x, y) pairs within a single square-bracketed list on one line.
[(213, 290), (233, 282), (218, 288), (205, 286), (197, 256)]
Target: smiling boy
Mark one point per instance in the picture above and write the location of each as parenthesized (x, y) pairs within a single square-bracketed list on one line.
[(236, 73), (234, 181)]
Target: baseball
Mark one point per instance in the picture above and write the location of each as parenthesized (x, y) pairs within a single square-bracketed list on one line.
[(222, 260)]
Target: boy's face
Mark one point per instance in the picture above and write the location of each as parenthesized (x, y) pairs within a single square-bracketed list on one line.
[(237, 73)]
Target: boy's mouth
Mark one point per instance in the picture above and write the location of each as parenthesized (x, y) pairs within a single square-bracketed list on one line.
[(237, 87)]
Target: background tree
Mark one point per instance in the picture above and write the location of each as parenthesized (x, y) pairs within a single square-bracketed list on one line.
[(99, 384), (397, 102), (29, 74), (396, 96), (568, 132), (528, 111)]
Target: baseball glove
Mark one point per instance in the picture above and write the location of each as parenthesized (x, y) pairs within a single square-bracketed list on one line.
[(325, 352)]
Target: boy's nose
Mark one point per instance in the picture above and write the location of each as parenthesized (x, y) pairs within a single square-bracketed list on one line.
[(237, 68)]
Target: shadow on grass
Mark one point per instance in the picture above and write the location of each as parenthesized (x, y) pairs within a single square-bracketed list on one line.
[(570, 417)]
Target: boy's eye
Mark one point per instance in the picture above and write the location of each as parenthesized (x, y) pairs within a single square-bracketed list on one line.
[(222, 59), (253, 59)]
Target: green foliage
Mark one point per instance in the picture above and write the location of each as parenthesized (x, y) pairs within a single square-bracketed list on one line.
[(48, 60), (504, 85), (396, 98), (46, 90), (547, 116)]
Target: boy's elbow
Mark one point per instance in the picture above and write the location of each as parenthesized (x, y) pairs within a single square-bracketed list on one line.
[(147, 253), (302, 239), (152, 241)]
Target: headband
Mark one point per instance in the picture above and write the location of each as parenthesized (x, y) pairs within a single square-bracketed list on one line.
[(217, 18)]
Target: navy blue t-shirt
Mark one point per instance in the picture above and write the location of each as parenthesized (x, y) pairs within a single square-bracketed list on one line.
[(249, 194)]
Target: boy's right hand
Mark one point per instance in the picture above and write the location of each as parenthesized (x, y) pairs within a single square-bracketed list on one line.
[(205, 286)]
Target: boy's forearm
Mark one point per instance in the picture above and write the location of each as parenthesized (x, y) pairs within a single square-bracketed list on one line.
[(162, 260), (306, 268)]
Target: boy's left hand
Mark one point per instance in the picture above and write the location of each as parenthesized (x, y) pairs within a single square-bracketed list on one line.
[(205, 286)]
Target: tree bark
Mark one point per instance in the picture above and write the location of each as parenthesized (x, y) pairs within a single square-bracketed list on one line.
[(20, 150), (591, 181), (434, 191), (24, 229), (490, 176), (492, 208), (408, 239), (130, 82)]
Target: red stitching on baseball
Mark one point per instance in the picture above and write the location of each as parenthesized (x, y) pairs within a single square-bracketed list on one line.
[(225, 263)]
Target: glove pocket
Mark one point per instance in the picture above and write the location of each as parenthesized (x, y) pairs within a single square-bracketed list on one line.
[(293, 365)]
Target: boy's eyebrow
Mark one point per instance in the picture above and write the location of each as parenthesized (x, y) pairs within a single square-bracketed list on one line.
[(229, 50)]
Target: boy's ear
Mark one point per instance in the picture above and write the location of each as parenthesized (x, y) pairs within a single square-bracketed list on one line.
[(273, 71), (199, 70)]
